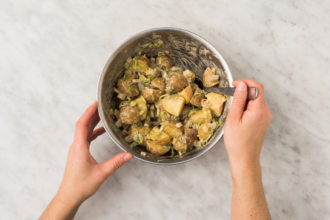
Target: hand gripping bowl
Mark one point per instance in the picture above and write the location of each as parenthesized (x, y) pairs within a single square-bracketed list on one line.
[(188, 51)]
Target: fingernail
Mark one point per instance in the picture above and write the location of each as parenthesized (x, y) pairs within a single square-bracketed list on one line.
[(240, 86), (127, 156)]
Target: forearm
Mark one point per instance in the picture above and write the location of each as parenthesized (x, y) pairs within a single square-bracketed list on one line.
[(248, 199), (60, 208)]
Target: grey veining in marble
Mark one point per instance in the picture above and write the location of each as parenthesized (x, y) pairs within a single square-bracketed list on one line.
[(52, 53)]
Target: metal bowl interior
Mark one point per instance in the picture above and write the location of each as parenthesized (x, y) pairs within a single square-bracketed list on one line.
[(188, 51)]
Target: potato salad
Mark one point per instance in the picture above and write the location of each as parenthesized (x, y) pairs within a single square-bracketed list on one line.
[(160, 108)]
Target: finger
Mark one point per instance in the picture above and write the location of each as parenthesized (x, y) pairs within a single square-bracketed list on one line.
[(97, 132), (260, 100), (94, 120), (85, 122), (251, 83), (239, 101), (115, 162)]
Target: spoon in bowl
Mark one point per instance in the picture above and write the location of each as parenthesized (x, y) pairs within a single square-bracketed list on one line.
[(252, 92)]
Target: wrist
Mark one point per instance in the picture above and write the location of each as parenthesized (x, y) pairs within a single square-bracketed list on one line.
[(67, 199), (245, 168), (61, 207)]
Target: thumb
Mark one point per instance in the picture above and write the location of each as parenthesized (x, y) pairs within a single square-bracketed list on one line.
[(239, 101), (112, 164)]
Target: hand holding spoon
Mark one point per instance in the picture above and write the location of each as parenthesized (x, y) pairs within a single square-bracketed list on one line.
[(252, 92)]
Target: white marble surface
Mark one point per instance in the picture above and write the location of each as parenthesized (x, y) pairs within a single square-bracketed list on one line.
[(52, 53)]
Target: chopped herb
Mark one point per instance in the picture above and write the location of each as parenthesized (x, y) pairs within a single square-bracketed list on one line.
[(126, 65), (149, 78), (116, 90), (153, 44), (134, 144), (172, 152), (159, 114), (137, 142), (135, 64)]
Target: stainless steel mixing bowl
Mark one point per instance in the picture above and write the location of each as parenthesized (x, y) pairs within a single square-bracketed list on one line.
[(187, 50)]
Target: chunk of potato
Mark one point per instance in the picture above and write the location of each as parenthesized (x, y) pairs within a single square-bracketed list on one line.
[(173, 70), (142, 78), (210, 78), (201, 116), (205, 131), (190, 76), (139, 133), (176, 83), (140, 64), (179, 144), (129, 74), (155, 148), (163, 115), (126, 87), (152, 72), (216, 101), (190, 136), (151, 95), (197, 98), (158, 83), (159, 136), (164, 62), (173, 104), (129, 114), (141, 103), (186, 94), (172, 128)]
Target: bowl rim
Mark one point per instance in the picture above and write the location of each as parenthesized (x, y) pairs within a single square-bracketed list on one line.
[(118, 50)]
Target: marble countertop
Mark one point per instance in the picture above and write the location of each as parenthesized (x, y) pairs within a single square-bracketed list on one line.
[(52, 54)]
